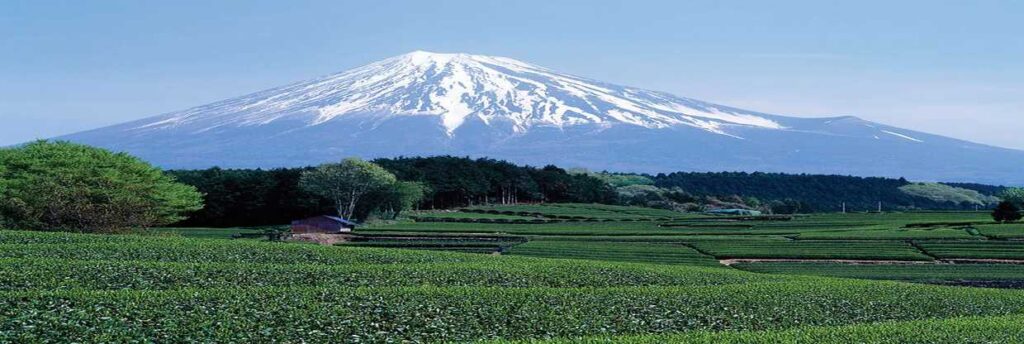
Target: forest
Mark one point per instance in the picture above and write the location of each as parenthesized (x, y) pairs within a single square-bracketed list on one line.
[(254, 197), (819, 193)]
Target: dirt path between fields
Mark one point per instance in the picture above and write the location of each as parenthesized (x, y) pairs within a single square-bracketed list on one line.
[(730, 262)]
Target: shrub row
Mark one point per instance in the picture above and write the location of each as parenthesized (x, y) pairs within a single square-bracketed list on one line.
[(443, 239), (941, 224), (909, 272), (998, 329), (891, 234), (808, 249), (664, 253), (227, 251), (481, 220), (549, 219), (983, 249), (427, 314), (52, 274)]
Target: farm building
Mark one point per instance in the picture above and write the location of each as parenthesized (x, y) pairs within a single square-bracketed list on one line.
[(322, 224)]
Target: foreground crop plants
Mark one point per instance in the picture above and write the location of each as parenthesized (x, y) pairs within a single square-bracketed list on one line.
[(59, 287)]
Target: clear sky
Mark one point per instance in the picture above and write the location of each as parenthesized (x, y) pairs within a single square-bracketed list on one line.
[(948, 67)]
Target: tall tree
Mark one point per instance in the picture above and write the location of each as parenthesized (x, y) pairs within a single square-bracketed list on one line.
[(66, 186), (1006, 212), (346, 183), (391, 200)]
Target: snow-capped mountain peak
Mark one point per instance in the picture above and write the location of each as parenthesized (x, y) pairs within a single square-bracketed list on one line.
[(424, 103), (459, 87)]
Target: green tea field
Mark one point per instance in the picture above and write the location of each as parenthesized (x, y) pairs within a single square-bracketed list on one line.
[(559, 273)]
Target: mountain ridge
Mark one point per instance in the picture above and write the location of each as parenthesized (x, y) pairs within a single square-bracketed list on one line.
[(424, 103), (503, 88)]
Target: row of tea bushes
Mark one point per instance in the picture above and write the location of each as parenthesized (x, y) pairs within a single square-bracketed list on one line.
[(431, 314)]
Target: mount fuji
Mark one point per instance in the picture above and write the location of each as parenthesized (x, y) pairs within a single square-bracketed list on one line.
[(425, 103)]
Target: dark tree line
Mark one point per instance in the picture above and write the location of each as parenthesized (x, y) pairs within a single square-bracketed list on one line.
[(256, 197), (808, 193), (458, 181), (253, 197)]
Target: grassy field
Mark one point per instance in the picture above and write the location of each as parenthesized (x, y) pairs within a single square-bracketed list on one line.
[(617, 274)]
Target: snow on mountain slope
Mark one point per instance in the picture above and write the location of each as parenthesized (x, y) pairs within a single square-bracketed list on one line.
[(430, 104), (455, 87)]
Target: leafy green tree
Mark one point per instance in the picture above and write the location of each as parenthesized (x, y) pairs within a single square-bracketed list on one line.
[(391, 200), (66, 186), (406, 195), (1006, 212), (346, 183), (1013, 195), (587, 189)]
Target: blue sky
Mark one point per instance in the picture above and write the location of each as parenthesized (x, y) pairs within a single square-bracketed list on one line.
[(948, 67)]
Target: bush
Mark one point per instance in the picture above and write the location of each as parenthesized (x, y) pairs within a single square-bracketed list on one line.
[(1006, 212), (66, 186)]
